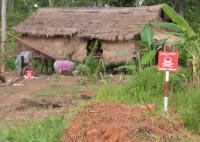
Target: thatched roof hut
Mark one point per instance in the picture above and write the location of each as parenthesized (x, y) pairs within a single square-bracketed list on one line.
[(63, 33)]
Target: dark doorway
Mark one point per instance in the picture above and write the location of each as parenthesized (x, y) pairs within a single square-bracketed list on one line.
[(95, 46)]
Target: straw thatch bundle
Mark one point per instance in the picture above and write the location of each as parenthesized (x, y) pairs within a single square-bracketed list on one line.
[(108, 24)]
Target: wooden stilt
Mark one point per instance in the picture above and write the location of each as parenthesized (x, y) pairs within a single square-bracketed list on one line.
[(42, 67), (46, 65)]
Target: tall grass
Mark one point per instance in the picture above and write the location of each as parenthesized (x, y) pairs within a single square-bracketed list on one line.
[(47, 130), (148, 87)]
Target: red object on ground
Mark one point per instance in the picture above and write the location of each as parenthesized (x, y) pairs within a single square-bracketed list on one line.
[(172, 109), (151, 106), (88, 95), (29, 73), (168, 61)]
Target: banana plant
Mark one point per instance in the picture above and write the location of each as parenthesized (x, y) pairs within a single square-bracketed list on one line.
[(191, 39), (180, 27), (192, 46), (180, 21), (147, 41)]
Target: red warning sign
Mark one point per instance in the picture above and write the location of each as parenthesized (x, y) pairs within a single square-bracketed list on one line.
[(168, 61)]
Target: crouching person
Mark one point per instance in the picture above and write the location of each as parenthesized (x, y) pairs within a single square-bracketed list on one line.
[(24, 62), (63, 67)]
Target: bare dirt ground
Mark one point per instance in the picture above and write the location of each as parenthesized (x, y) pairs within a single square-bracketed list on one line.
[(37, 98), (111, 122)]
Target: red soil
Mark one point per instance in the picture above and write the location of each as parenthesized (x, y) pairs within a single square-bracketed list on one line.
[(111, 122)]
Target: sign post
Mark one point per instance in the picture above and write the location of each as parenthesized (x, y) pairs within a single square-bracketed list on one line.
[(167, 61)]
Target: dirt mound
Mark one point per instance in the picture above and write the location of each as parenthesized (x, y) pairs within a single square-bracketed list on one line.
[(111, 122)]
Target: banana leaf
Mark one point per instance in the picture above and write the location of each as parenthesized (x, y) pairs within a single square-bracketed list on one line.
[(170, 26), (147, 34), (176, 18), (160, 42), (148, 57), (182, 35), (142, 43)]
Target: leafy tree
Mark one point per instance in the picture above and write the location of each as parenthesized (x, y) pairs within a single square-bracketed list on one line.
[(80, 3), (192, 13)]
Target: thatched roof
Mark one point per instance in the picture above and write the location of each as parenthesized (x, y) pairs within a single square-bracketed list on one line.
[(108, 24)]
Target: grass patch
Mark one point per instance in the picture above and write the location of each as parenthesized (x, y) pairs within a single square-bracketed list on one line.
[(59, 91), (148, 87), (47, 130)]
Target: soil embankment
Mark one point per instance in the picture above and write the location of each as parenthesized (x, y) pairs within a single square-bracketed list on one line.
[(111, 122)]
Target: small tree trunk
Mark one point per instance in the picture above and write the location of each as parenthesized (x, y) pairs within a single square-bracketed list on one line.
[(50, 3), (12, 4), (3, 40)]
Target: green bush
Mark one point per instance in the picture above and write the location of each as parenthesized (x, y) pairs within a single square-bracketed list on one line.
[(150, 79), (82, 70), (92, 63)]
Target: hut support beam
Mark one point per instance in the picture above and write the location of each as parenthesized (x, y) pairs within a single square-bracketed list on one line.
[(28, 44), (44, 63)]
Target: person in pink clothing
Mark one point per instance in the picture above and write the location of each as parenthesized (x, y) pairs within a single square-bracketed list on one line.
[(61, 66)]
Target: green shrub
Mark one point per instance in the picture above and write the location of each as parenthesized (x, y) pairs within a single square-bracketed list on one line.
[(92, 63), (11, 63), (82, 70), (150, 79)]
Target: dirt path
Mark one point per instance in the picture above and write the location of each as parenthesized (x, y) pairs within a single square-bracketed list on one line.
[(38, 99), (11, 94)]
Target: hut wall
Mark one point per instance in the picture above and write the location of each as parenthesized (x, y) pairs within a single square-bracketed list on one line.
[(118, 51), (79, 47), (58, 47)]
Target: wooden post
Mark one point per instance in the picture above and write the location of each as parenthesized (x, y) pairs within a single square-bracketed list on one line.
[(46, 65), (3, 37)]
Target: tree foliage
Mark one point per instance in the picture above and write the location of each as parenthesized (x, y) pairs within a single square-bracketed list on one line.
[(118, 3)]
